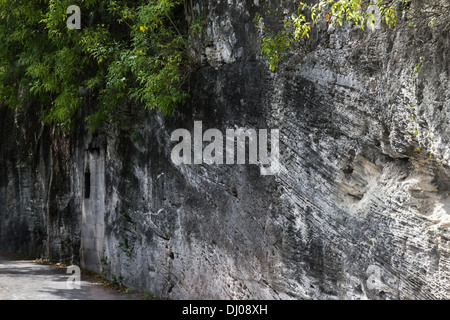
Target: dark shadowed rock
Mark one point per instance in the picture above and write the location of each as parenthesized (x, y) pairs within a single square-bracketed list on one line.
[(357, 211)]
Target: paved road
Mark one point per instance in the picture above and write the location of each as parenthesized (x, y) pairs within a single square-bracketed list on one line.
[(27, 280)]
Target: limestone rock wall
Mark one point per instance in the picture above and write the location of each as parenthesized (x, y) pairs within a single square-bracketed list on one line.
[(357, 211)]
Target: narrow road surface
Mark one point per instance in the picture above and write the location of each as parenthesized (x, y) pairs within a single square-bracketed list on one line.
[(27, 280)]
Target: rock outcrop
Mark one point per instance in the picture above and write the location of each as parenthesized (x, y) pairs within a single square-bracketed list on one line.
[(359, 210)]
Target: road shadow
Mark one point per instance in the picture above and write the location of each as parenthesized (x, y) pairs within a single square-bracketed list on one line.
[(28, 280)]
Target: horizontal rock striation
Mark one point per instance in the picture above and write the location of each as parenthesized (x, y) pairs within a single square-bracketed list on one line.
[(359, 210)]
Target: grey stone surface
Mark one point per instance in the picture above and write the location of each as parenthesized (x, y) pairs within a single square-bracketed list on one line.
[(357, 212), (93, 210)]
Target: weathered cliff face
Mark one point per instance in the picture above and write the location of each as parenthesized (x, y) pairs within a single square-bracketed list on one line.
[(40, 192), (356, 212)]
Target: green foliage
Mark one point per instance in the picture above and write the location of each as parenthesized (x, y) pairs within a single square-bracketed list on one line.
[(276, 44), (126, 50), (196, 31), (198, 25), (126, 247), (117, 281), (105, 265)]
